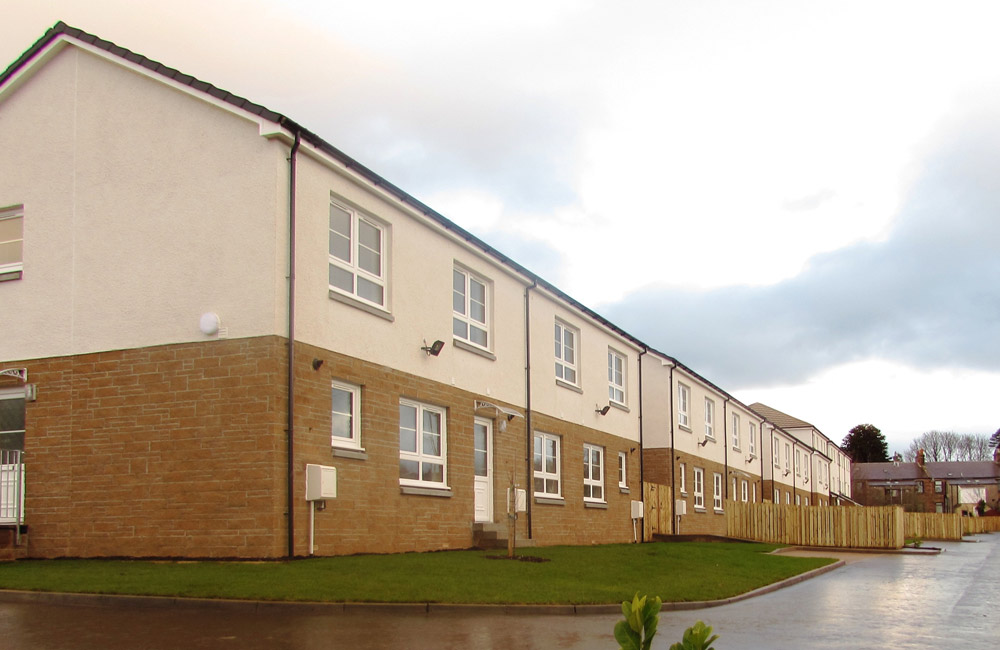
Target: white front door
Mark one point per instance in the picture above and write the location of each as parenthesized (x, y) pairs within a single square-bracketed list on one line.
[(483, 465)]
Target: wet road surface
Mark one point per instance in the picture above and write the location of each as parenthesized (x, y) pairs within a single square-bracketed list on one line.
[(885, 601)]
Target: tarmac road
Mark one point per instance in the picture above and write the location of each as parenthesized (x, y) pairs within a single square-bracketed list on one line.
[(876, 601)]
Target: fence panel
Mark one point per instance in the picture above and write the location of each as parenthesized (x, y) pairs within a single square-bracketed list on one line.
[(878, 527), (930, 525)]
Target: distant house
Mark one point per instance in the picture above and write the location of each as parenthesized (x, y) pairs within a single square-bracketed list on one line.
[(920, 486)]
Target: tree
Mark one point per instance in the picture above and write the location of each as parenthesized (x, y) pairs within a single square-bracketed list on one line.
[(948, 446), (995, 440), (866, 444)]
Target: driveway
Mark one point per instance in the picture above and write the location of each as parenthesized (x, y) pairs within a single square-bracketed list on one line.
[(877, 601)]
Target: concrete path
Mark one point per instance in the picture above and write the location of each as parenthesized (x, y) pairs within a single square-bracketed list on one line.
[(877, 601)]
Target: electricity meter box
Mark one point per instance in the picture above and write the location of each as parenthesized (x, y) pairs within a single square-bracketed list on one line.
[(321, 482)]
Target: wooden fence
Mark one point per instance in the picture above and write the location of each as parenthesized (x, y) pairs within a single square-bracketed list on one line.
[(658, 510), (977, 525), (929, 525), (878, 527)]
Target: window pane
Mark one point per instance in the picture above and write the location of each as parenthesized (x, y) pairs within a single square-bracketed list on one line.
[(10, 252), (340, 221), (11, 414), (459, 328), (550, 456), (369, 236), (409, 469), (477, 311), (478, 336), (480, 459), (479, 437), (538, 453), (341, 401), (342, 426), (341, 278), (432, 444), (458, 292), (433, 472), (552, 486), (597, 492), (369, 290), (539, 485), (370, 261), (11, 228), (559, 370), (570, 375), (407, 428)]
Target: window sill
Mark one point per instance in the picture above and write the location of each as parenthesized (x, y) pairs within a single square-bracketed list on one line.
[(684, 427), (684, 494), (623, 490), (7, 276), (597, 505), (357, 454), (425, 492), (550, 501), (363, 306), (566, 384), (699, 509), (710, 439), (718, 511), (620, 407), (468, 347)]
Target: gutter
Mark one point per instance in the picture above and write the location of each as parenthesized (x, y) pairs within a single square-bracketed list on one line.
[(290, 431)]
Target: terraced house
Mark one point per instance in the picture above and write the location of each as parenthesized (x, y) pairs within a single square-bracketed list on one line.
[(224, 337)]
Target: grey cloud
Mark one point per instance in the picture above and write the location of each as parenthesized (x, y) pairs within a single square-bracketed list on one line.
[(929, 295)]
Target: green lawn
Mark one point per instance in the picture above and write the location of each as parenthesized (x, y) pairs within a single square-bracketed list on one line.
[(572, 574)]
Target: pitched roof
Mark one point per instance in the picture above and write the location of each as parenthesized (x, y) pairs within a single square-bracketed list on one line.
[(955, 472), (778, 418)]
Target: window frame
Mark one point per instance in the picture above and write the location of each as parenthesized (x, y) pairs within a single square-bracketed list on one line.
[(13, 270), (353, 265), (798, 462), (682, 468), (562, 365), (710, 418), (354, 442), (788, 457), (716, 491), (466, 318), (541, 473), (776, 451), (736, 431), (589, 480), (17, 394), (699, 488), (420, 456), (753, 439), (744, 490), (622, 470), (613, 386), (683, 405)]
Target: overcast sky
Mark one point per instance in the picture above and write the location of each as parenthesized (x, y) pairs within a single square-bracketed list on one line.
[(799, 200)]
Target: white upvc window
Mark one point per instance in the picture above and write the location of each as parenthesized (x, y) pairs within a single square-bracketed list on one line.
[(798, 462), (777, 495), (345, 414), (682, 469), (798, 500), (422, 445), (717, 491), (622, 465), (807, 502), (567, 340), (787, 497), (776, 452), (807, 461), (12, 418), (357, 255), (699, 487), (11, 243), (736, 431), (744, 492), (470, 308), (616, 377), (710, 419), (788, 457), (593, 473), (753, 439), (547, 465), (753, 492), (683, 404)]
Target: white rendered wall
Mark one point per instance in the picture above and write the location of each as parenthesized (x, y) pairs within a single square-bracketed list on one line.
[(143, 208)]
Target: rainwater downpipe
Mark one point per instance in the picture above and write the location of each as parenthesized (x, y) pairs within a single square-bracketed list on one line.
[(673, 459), (641, 484), (528, 486), (290, 431), (725, 450)]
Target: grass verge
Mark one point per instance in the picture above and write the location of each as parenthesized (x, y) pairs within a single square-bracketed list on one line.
[(684, 571)]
